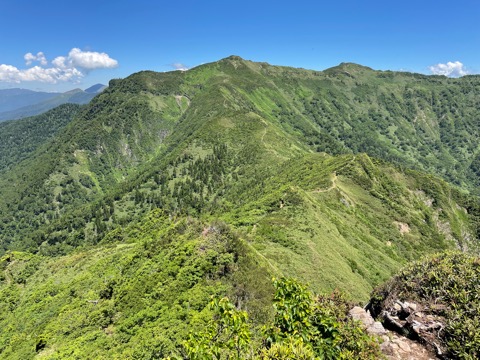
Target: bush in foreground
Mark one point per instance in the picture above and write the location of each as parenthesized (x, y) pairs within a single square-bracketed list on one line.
[(304, 327)]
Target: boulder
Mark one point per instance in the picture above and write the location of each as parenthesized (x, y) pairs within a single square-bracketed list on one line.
[(373, 327)]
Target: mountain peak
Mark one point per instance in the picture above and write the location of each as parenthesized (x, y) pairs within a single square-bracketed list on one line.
[(351, 65), (234, 57), (347, 68), (95, 89)]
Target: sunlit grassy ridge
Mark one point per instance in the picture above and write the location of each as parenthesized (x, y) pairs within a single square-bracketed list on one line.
[(347, 222)]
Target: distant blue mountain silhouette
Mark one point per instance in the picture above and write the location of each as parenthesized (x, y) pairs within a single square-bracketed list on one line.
[(19, 103)]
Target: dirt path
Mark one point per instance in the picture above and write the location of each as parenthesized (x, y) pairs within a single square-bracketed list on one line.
[(8, 276), (264, 133), (334, 179), (262, 139), (333, 186)]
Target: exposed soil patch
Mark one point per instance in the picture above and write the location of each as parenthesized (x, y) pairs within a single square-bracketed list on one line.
[(402, 227)]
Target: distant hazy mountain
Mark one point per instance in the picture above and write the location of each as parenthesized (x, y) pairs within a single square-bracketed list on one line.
[(95, 89), (20, 103)]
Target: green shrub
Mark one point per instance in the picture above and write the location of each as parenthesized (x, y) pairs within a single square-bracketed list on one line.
[(303, 327)]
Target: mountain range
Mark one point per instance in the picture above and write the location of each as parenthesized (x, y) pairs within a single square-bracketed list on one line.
[(20, 103), (122, 218)]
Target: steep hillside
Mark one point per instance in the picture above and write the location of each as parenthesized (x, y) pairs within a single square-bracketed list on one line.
[(20, 138), (264, 114), (130, 300), (220, 128), (347, 222), (426, 122)]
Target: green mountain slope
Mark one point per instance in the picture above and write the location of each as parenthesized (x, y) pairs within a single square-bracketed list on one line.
[(132, 300), (19, 139), (326, 220), (348, 222), (284, 157), (196, 134)]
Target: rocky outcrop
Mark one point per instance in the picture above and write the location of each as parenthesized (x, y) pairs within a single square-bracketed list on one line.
[(418, 322), (395, 345)]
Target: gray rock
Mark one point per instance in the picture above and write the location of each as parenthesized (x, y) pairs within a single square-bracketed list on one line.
[(403, 345), (358, 313), (376, 329), (373, 327)]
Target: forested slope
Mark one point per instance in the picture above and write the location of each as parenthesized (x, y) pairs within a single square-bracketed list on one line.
[(20, 138)]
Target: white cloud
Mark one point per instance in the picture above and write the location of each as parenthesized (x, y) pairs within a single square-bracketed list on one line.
[(91, 60), (179, 66), (72, 67), (9, 73), (40, 57), (452, 69), (59, 62), (29, 58)]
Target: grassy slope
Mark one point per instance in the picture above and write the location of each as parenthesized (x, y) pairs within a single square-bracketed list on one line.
[(347, 222), (326, 220), (264, 114), (426, 122), (167, 125)]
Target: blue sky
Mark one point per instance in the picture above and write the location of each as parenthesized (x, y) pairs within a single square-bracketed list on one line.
[(59, 45)]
